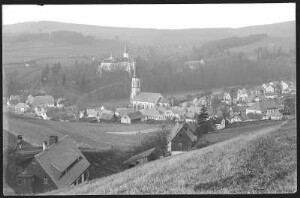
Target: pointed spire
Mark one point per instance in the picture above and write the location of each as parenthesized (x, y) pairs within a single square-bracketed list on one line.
[(135, 71), (125, 48)]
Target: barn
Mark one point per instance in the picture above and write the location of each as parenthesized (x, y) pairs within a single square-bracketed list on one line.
[(181, 138), (133, 117), (140, 158)]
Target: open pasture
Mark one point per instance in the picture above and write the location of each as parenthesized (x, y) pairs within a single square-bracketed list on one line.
[(91, 135)]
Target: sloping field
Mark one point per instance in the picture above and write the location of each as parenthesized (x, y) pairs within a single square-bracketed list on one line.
[(85, 134), (261, 162)]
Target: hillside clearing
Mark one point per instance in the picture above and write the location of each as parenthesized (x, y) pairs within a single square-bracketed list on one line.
[(261, 162)]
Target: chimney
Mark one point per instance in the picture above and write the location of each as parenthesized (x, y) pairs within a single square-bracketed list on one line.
[(19, 141), (53, 139), (44, 145)]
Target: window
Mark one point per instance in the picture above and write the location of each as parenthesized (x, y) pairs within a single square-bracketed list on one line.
[(69, 167)]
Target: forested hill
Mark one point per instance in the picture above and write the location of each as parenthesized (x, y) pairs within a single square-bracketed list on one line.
[(153, 36)]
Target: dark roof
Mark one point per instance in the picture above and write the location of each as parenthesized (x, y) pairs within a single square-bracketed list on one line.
[(58, 157), (135, 115), (106, 115), (255, 116), (218, 120), (43, 100), (139, 156), (192, 126), (177, 128), (148, 97)]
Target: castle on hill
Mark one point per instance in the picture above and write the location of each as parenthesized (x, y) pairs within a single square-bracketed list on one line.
[(111, 63), (144, 100)]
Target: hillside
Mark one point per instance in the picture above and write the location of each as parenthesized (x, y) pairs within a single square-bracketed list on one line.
[(153, 36), (261, 162)]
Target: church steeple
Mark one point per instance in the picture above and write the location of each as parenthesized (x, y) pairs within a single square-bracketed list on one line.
[(125, 53), (135, 82), (135, 71)]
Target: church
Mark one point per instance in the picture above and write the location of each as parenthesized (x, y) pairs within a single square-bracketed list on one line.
[(144, 100)]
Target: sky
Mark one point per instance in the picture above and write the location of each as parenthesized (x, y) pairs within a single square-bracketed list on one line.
[(172, 16)]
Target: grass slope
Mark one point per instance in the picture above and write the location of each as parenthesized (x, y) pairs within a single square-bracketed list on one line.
[(85, 134), (261, 162)]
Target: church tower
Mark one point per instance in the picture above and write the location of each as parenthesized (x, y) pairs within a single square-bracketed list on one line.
[(135, 82), (125, 53)]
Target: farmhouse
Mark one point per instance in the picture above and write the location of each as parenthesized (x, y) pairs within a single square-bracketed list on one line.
[(106, 116), (133, 117), (219, 123), (13, 100), (152, 114), (46, 101), (59, 165), (141, 158), (123, 111), (181, 138)]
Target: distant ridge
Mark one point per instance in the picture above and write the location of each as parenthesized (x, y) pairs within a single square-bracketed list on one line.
[(153, 36)]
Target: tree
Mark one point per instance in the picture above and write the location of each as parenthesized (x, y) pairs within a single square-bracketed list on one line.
[(63, 80), (203, 125)]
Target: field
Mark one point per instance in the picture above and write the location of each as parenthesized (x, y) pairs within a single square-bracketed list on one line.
[(264, 161), (85, 134), (225, 134)]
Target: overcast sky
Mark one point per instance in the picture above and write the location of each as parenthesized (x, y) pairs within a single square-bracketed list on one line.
[(154, 16)]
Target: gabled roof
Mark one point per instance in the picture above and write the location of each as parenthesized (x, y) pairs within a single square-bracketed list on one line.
[(218, 120), (92, 112), (58, 157), (177, 128), (139, 156), (148, 97), (150, 112), (255, 116), (135, 115), (123, 111), (106, 115), (269, 104), (43, 100), (192, 126)]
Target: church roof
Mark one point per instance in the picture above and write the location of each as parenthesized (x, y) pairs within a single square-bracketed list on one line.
[(148, 97)]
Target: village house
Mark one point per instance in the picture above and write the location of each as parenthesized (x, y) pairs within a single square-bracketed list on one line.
[(123, 111), (284, 86), (269, 88), (153, 114), (181, 138), (141, 158), (133, 117), (226, 98), (45, 101), (59, 165), (242, 95), (107, 116), (13, 100), (219, 122), (41, 112)]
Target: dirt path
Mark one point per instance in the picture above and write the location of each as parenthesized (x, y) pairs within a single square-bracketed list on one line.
[(136, 132)]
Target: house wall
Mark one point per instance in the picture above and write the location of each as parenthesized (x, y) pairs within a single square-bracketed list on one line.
[(39, 174), (125, 119), (181, 142)]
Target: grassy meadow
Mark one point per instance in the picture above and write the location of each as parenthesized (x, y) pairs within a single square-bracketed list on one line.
[(261, 162), (91, 135)]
